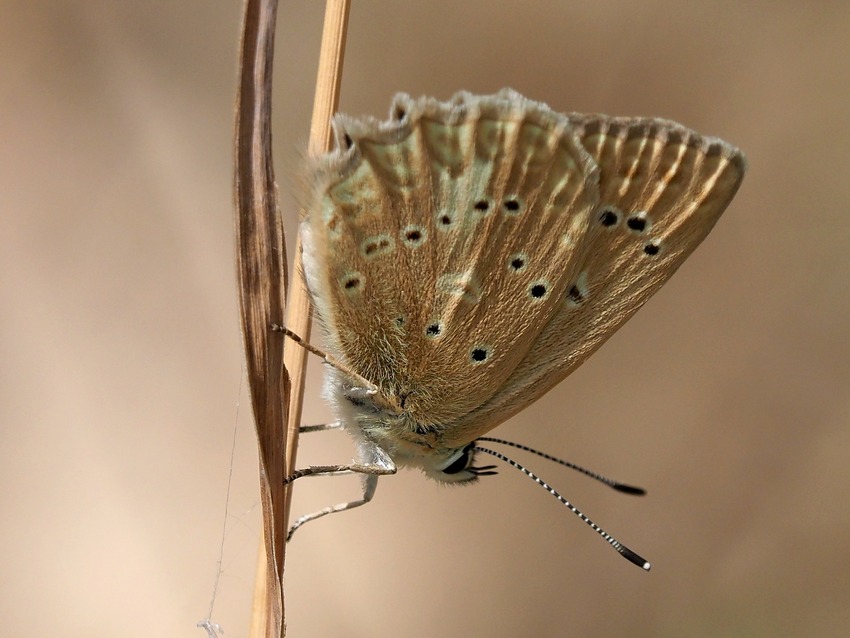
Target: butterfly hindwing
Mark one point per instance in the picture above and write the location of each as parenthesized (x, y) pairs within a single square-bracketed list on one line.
[(662, 188)]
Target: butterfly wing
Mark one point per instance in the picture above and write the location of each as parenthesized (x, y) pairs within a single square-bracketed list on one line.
[(440, 244), (662, 188)]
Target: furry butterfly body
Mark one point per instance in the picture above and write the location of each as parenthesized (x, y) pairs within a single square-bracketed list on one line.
[(465, 256)]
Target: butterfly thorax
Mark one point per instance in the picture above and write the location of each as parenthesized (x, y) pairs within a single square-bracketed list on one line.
[(373, 420)]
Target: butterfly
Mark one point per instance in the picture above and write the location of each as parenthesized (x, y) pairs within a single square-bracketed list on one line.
[(463, 257)]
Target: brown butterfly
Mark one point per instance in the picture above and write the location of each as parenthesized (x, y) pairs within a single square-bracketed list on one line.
[(465, 256)]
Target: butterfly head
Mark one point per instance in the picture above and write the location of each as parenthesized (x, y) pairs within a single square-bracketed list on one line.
[(375, 422), (458, 467)]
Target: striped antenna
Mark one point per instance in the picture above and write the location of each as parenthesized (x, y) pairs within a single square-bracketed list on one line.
[(613, 542), (617, 485)]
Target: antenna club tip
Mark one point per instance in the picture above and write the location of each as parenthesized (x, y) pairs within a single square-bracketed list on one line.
[(629, 489), (633, 558)]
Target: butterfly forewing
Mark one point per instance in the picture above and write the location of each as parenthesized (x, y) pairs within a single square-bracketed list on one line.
[(662, 188), (442, 244)]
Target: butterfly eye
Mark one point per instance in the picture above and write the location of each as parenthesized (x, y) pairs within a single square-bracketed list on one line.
[(460, 463)]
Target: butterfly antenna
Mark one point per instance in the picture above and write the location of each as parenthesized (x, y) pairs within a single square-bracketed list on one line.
[(613, 542), (617, 485), (331, 361)]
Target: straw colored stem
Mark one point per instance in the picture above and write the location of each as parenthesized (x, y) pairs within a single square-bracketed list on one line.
[(298, 311), (268, 617)]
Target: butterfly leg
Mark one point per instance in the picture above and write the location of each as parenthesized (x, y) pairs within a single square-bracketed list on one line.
[(370, 482), (324, 355), (378, 463), (324, 427)]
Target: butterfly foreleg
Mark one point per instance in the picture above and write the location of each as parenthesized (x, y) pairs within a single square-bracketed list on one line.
[(328, 359)]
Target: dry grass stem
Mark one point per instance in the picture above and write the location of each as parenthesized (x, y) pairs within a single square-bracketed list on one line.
[(325, 105), (275, 395), (261, 266)]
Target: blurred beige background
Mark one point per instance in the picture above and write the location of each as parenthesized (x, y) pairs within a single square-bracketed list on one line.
[(726, 396)]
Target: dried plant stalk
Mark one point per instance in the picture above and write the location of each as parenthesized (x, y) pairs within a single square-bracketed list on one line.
[(262, 268), (325, 104)]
